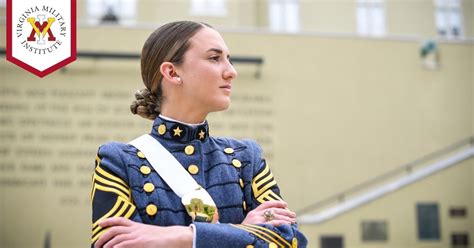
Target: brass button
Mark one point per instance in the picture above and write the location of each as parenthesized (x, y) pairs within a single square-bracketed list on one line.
[(189, 149), (272, 245), (249, 246), (193, 169), (149, 187), (140, 154), (161, 129), (244, 205), (229, 150), (241, 182), (236, 163), (294, 243), (145, 170), (151, 209)]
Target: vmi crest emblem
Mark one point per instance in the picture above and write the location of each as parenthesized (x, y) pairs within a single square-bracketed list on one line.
[(41, 34)]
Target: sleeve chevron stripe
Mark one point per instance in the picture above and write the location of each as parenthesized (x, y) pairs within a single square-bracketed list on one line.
[(270, 232), (97, 160), (122, 208), (110, 176), (263, 181), (105, 181), (98, 186), (269, 195), (99, 179), (261, 235)]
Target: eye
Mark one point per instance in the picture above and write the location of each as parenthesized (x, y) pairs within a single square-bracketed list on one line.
[(215, 58), (230, 60)]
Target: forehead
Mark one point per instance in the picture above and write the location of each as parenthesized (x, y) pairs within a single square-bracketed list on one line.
[(207, 38)]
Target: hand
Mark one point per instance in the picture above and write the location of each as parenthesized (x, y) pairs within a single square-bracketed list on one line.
[(281, 214), (123, 233)]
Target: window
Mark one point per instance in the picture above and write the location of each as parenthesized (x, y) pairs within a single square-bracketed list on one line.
[(332, 242), (449, 19), (209, 7), (3, 3), (428, 221), (460, 240), (458, 212), (111, 11), (371, 17), (284, 15), (374, 231)]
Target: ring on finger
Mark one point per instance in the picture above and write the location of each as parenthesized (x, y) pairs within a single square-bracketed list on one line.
[(268, 215)]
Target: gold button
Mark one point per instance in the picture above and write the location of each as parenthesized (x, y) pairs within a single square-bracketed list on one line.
[(149, 187), (249, 246), (244, 205), (145, 170), (241, 182), (151, 209), (294, 243), (193, 169), (161, 129), (189, 149), (236, 163), (229, 150), (140, 154), (272, 245)]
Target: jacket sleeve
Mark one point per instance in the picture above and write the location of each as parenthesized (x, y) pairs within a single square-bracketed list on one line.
[(263, 188), (110, 194)]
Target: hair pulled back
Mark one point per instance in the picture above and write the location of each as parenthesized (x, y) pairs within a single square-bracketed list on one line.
[(168, 43)]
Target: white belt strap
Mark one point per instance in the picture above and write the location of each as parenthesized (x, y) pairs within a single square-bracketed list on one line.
[(172, 172)]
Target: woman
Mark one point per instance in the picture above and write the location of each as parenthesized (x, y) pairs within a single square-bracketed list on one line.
[(187, 72)]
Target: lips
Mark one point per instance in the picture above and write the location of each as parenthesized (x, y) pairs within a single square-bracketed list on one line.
[(227, 86)]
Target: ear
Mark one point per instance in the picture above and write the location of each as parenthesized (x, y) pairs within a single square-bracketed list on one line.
[(168, 71)]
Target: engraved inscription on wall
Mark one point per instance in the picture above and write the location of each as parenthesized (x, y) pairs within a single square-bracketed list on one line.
[(50, 136)]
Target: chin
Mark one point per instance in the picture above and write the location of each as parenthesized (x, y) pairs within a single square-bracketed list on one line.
[(221, 106)]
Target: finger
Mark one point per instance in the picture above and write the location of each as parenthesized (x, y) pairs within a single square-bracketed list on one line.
[(115, 221), (284, 218), (270, 204), (127, 244), (277, 222), (285, 212), (109, 234), (117, 240)]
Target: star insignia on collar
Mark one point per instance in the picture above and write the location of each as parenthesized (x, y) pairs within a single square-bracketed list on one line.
[(177, 132), (201, 134)]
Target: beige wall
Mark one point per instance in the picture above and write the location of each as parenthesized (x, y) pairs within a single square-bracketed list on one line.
[(405, 18), (344, 110), (447, 188), (328, 16), (468, 6), (411, 18)]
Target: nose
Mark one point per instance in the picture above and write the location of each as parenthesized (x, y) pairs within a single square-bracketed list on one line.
[(230, 73)]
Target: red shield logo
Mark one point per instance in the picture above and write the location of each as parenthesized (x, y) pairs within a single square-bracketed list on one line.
[(41, 34)]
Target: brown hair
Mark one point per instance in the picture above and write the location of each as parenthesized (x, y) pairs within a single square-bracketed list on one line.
[(168, 43)]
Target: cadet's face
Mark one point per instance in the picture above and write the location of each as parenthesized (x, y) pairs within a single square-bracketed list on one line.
[(206, 72)]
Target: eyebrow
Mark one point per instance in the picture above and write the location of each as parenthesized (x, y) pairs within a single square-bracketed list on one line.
[(217, 50)]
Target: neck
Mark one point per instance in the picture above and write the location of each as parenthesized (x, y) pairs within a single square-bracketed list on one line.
[(189, 116)]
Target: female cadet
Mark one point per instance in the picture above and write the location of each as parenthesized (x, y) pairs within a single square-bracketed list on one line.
[(187, 72)]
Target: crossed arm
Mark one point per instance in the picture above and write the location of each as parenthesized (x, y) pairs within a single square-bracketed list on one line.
[(124, 233)]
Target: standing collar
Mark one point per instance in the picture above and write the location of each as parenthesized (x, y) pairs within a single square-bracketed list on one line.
[(167, 128)]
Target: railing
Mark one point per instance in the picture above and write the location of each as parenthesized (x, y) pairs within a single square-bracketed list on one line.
[(368, 190)]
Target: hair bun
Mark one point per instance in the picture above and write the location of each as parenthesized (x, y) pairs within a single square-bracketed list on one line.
[(146, 104)]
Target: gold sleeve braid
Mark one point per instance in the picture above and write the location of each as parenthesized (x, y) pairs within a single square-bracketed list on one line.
[(262, 184), (269, 236), (122, 208), (120, 193)]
